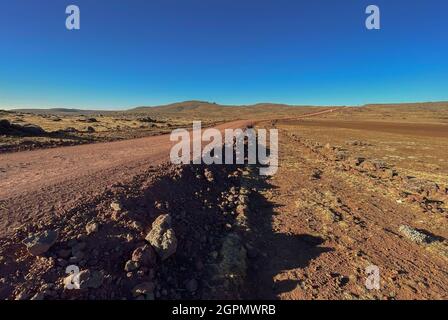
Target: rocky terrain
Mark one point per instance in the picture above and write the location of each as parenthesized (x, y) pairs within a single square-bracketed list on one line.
[(26, 130), (175, 235), (348, 194), (335, 209), (30, 129)]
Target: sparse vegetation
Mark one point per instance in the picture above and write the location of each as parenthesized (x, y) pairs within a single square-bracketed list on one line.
[(356, 187)]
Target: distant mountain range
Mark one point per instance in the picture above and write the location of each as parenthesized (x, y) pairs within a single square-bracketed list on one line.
[(59, 111), (204, 108), (191, 108)]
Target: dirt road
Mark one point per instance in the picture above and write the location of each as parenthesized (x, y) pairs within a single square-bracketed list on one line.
[(32, 184)]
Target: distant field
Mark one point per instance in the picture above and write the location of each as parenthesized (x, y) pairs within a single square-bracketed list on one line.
[(61, 127), (435, 112), (32, 130), (435, 130)]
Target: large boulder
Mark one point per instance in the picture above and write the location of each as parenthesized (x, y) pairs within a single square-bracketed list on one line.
[(162, 237), (8, 128), (39, 243), (32, 130)]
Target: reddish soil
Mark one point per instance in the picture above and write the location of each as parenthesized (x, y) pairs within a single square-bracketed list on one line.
[(34, 184), (308, 232), (432, 130), (322, 219)]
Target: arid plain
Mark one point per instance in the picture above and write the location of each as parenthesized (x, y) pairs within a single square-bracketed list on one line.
[(356, 187)]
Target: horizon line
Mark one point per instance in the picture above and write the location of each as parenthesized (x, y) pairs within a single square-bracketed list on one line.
[(219, 104)]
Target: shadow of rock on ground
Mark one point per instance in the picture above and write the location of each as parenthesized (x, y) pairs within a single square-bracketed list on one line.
[(275, 252)]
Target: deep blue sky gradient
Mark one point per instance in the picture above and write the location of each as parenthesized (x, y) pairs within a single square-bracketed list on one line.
[(149, 52)]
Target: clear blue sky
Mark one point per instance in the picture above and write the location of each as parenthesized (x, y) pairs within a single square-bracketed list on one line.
[(149, 52)]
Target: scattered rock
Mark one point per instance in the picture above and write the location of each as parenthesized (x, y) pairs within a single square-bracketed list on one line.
[(129, 237), (343, 281), (162, 237), (146, 119), (38, 296), (92, 227), (137, 225), (116, 215), (243, 199), (209, 175), (131, 266), (357, 143), (316, 174), (242, 209), (145, 256), (355, 161), (158, 205), (23, 295), (388, 173), (145, 288), (91, 279), (116, 206), (368, 166), (340, 155), (414, 235), (77, 258), (38, 244), (86, 279), (68, 130)]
